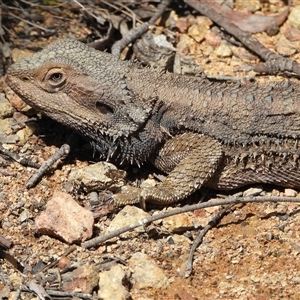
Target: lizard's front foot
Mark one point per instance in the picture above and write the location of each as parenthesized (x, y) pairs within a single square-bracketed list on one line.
[(127, 195), (199, 158), (131, 195), (161, 194)]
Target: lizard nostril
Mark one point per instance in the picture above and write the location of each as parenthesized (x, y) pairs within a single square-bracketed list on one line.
[(25, 78)]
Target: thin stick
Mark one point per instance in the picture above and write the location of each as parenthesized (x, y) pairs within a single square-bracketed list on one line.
[(136, 32), (273, 62), (216, 218), (59, 154), (215, 202), (21, 160)]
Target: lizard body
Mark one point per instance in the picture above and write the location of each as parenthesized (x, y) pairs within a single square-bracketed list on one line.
[(202, 133)]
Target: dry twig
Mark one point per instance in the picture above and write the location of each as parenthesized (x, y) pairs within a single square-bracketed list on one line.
[(212, 223), (136, 32), (21, 160), (274, 63), (215, 202), (59, 154)]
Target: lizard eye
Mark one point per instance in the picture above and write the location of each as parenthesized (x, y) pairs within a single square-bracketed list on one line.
[(56, 77)]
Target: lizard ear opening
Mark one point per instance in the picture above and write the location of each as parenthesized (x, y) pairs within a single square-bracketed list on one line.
[(104, 108)]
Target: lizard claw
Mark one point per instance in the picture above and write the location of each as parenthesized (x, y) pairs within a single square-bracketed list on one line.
[(142, 202)]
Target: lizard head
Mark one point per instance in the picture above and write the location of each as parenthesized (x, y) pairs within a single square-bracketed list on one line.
[(82, 88)]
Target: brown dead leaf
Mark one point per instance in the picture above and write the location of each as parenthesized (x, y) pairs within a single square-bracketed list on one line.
[(250, 22)]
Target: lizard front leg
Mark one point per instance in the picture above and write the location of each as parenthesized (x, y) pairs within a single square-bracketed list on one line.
[(190, 159)]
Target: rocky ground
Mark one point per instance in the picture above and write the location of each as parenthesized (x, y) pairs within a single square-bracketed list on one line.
[(253, 253)]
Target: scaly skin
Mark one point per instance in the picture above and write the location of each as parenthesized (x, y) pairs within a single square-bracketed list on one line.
[(200, 132)]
